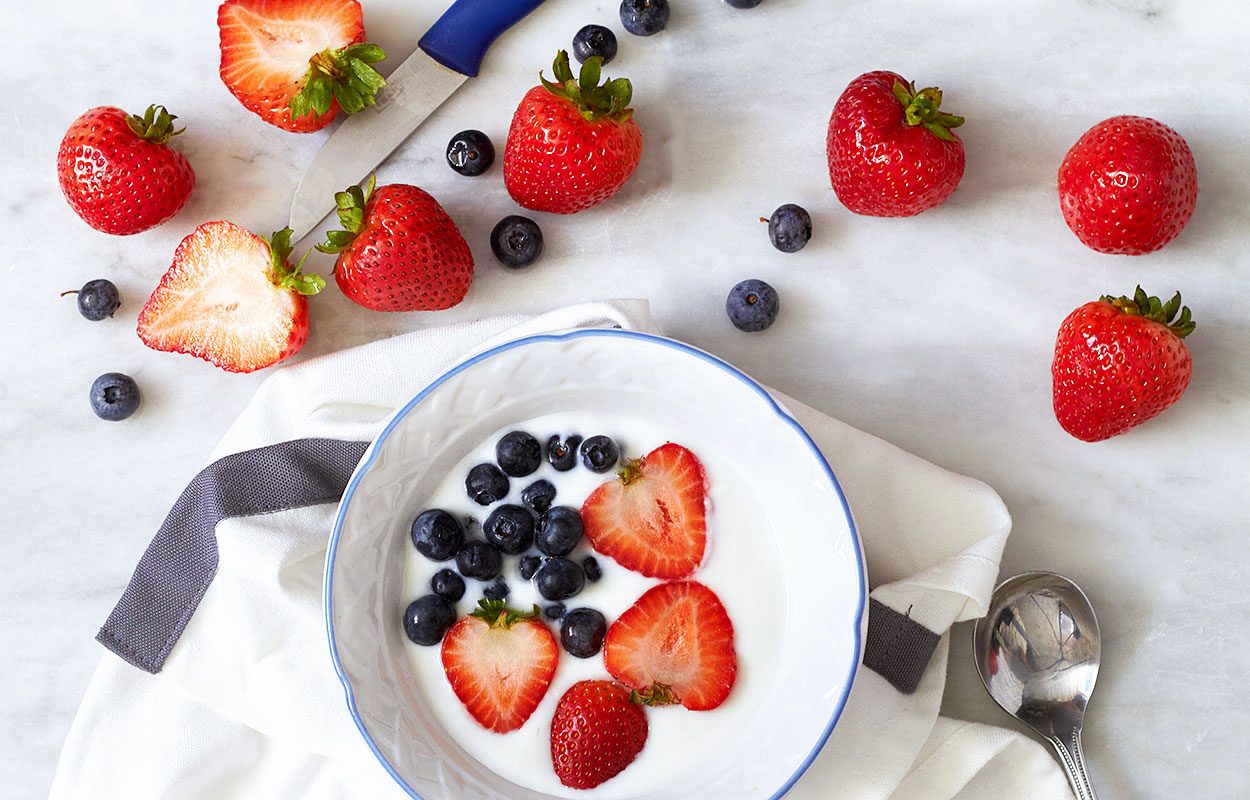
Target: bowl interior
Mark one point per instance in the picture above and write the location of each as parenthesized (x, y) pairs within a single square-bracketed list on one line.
[(743, 434)]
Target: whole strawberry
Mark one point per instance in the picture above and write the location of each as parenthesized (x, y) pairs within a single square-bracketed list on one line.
[(118, 171), (294, 63), (398, 250), (573, 143), (597, 731), (1119, 362), (231, 298), (891, 151), (1128, 186)]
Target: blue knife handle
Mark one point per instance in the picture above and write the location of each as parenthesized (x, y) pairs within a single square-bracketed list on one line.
[(461, 37)]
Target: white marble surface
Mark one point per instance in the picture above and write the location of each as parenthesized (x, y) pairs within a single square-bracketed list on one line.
[(934, 333)]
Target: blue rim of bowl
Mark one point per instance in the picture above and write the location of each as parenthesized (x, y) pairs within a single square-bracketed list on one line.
[(395, 419)]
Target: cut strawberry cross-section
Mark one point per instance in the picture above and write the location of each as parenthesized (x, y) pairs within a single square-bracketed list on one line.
[(653, 517), (500, 662), (674, 645)]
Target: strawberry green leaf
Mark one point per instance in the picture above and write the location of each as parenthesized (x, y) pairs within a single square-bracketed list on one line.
[(921, 108), (344, 75), (497, 614), (156, 125), (350, 206), (594, 102), (283, 275), (1155, 310)]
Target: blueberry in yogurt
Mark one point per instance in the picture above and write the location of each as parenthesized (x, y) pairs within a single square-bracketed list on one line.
[(447, 583), (539, 495), (527, 566), (437, 535), (600, 453), (582, 631), (497, 590), (518, 454), (479, 560), (554, 611), (559, 579), (427, 619), (510, 528), (559, 531), (562, 453), (486, 484), (590, 566)]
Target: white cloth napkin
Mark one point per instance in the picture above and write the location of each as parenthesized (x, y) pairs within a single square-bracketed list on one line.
[(248, 704)]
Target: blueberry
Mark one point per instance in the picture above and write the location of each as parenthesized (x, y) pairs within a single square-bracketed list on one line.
[(582, 631), (114, 396), (486, 484), (559, 531), (518, 454), (497, 590), (510, 528), (594, 40), (744, 3), (528, 565), (554, 611), (559, 579), (516, 241), (448, 583), (752, 306), (590, 565), (480, 560), (470, 152), (789, 228), (437, 535), (427, 619), (538, 495), (644, 17), (562, 453), (97, 299), (600, 453)]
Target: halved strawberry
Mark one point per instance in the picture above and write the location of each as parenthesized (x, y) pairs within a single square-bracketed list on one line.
[(231, 298), (653, 518), (295, 62), (597, 731), (499, 663), (674, 645)]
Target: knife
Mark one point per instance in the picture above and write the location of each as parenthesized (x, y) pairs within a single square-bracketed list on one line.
[(450, 53)]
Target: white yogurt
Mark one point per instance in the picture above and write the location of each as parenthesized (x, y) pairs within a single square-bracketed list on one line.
[(741, 565)]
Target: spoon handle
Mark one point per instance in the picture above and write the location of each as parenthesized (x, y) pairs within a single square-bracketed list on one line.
[(1073, 759)]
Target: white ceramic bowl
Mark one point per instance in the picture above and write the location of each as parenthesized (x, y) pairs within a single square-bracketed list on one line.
[(603, 370)]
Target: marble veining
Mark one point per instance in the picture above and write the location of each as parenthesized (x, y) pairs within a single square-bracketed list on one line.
[(934, 333)]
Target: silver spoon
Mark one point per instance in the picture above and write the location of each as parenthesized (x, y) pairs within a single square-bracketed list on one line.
[(1037, 651)]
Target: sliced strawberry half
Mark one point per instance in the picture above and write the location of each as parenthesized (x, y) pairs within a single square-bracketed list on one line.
[(295, 62), (674, 645), (653, 517), (500, 662), (231, 298)]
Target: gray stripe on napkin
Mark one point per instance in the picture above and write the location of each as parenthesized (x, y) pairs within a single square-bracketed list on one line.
[(181, 560), (898, 648)]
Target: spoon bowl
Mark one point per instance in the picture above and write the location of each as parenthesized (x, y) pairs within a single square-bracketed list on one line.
[(1037, 651)]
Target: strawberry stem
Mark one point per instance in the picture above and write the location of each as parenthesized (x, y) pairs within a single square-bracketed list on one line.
[(283, 275), (496, 613), (594, 102), (156, 125), (657, 694), (630, 471), (1152, 308), (350, 205), (345, 75), (922, 108)]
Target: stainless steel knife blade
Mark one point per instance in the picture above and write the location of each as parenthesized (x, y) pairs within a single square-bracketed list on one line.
[(412, 93)]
